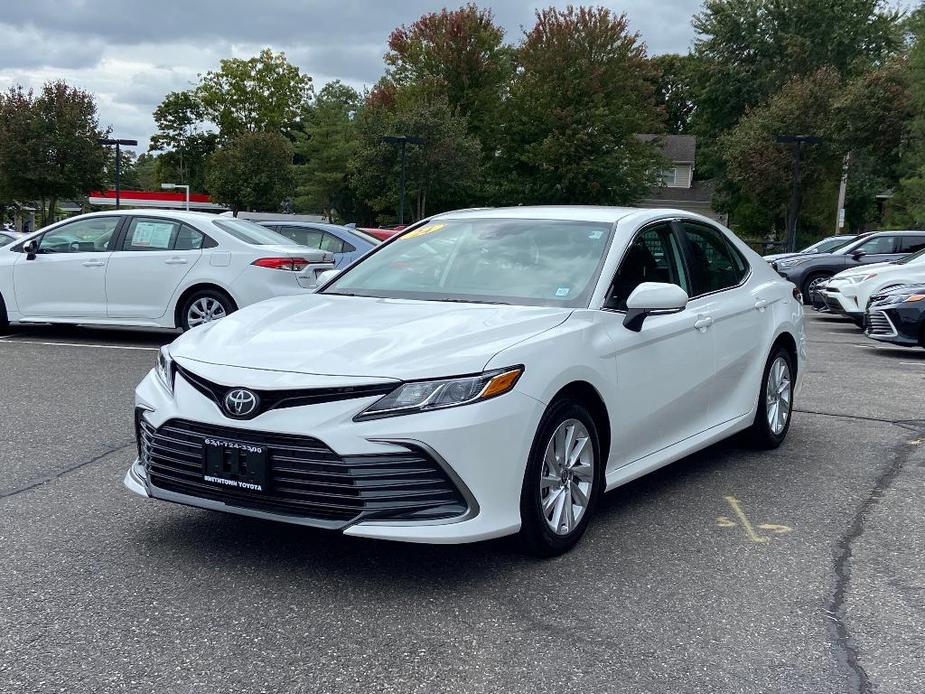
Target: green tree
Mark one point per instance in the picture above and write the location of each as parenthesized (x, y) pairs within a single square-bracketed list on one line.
[(325, 147), (582, 90), (183, 138), (49, 146), (459, 55), (252, 172), (761, 168), (442, 174), (146, 167), (265, 93), (675, 90)]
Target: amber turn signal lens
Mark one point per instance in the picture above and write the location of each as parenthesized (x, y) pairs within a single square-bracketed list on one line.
[(501, 383), (915, 297)]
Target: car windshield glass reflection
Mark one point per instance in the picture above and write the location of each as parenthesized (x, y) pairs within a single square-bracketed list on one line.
[(527, 262), (918, 257)]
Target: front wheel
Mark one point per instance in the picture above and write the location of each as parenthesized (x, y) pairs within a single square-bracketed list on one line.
[(205, 306), (811, 283), (775, 402), (563, 480)]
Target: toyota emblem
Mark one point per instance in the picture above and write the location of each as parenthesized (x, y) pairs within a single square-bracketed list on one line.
[(241, 402)]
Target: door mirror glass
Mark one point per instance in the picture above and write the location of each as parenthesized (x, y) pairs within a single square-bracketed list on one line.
[(327, 276), (29, 248), (319, 262), (653, 298)]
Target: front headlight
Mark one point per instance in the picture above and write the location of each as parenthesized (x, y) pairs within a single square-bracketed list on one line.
[(857, 279), (909, 298), (422, 396), (164, 368)]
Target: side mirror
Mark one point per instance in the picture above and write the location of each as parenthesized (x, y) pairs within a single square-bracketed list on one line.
[(327, 276), (653, 298), (30, 248), (858, 254)]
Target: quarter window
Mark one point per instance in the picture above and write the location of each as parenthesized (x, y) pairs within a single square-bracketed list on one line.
[(653, 256), (91, 235), (188, 239), (715, 264), (332, 243)]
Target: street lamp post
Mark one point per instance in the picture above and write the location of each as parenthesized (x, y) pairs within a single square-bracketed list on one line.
[(403, 140), (796, 193), (174, 186), (118, 144)]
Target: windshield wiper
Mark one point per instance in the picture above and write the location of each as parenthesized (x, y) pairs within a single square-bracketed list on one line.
[(470, 301)]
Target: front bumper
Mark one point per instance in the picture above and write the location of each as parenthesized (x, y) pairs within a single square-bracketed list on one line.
[(484, 447)]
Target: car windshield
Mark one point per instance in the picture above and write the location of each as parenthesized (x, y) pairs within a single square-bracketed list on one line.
[(251, 233), (917, 257), (505, 261), (5, 239), (828, 245)]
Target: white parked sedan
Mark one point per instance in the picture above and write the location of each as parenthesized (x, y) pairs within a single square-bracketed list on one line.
[(149, 268), (849, 291), (484, 373)]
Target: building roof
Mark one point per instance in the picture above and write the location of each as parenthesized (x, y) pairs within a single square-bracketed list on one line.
[(681, 149), (699, 191)]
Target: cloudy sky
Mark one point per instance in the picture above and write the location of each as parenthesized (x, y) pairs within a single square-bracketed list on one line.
[(130, 53)]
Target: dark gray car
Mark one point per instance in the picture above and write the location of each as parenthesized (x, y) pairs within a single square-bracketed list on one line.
[(806, 271)]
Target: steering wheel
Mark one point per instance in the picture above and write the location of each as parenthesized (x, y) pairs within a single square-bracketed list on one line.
[(74, 246)]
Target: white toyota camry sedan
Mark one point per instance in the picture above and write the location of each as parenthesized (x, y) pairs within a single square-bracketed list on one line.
[(149, 268), (484, 373)]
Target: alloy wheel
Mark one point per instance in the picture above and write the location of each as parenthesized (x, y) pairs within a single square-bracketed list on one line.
[(204, 310), (778, 395), (567, 476)]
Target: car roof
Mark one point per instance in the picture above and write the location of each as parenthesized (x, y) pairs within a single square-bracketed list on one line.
[(584, 213), (300, 223), (181, 215), (901, 232)]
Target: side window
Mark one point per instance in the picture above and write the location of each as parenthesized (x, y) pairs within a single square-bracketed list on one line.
[(150, 234), (911, 244), (877, 244), (332, 243), (653, 256), (304, 236), (715, 263), (188, 239), (90, 235)]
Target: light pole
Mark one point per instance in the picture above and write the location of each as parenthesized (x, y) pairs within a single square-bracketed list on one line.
[(402, 140), (796, 193), (117, 143), (174, 186)]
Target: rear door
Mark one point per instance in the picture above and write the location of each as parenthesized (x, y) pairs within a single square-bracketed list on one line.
[(153, 257), (67, 276), (737, 308), (911, 244)]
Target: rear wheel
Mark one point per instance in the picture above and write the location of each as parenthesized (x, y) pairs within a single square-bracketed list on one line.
[(205, 306), (563, 480), (4, 318), (775, 402)]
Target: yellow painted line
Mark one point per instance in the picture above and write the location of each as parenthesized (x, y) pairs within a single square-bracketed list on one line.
[(746, 524)]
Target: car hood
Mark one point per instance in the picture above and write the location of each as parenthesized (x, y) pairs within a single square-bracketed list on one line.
[(365, 337), (862, 270), (779, 256)]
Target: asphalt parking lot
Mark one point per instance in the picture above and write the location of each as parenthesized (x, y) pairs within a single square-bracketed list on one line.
[(800, 570)]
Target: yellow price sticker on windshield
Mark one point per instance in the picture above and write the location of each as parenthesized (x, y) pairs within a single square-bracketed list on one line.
[(421, 231)]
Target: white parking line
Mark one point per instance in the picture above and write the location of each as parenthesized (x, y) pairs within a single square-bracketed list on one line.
[(912, 363), (76, 344)]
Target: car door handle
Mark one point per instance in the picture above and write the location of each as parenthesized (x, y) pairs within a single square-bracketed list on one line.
[(702, 323), (762, 304), (175, 261), (94, 263)]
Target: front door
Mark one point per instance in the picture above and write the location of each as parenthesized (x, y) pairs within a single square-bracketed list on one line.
[(663, 372), (151, 261), (67, 276)]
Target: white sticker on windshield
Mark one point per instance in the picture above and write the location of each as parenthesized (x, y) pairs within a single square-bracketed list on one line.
[(562, 291), (595, 235)]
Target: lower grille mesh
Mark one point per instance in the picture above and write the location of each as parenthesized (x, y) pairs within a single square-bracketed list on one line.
[(306, 478), (879, 324)]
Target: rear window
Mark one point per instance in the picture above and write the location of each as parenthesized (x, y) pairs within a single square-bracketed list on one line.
[(251, 233)]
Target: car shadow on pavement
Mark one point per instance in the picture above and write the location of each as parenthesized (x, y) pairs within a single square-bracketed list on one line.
[(90, 335)]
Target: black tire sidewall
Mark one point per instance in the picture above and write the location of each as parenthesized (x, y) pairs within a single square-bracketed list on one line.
[(221, 297), (762, 435), (807, 297), (535, 533)]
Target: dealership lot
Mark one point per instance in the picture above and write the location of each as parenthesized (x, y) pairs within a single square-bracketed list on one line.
[(730, 571)]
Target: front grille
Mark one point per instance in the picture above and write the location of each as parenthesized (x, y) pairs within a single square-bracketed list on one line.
[(306, 478), (878, 323)]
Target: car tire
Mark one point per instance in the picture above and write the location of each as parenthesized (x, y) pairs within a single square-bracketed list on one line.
[(809, 281), (204, 306), (769, 428), (578, 488), (4, 318)]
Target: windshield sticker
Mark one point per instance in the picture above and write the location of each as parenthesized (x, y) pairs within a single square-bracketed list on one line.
[(595, 235), (562, 291), (421, 231)]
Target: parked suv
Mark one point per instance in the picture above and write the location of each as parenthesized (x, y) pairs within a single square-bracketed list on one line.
[(881, 247)]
